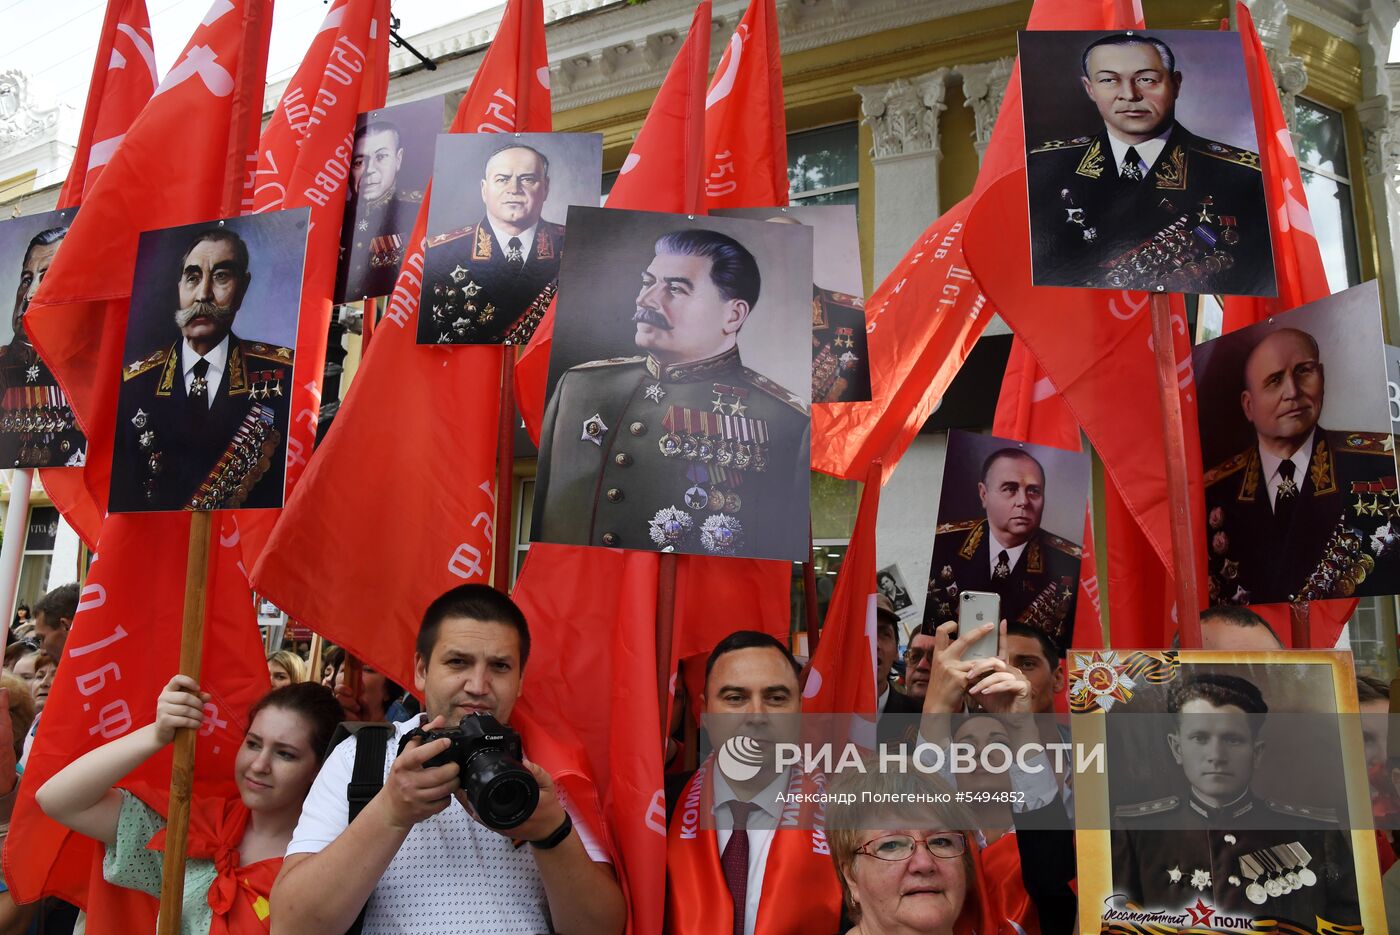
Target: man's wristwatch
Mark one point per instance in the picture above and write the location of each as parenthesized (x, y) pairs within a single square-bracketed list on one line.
[(555, 839)]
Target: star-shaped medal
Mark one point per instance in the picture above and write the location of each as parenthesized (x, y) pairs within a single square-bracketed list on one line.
[(32, 374), (364, 225), (654, 392), (1174, 874), (139, 420), (717, 404), (594, 429), (737, 408), (458, 273), (1200, 879)]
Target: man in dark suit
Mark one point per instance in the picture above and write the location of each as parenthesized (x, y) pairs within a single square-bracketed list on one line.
[(1144, 203), (379, 218), (1220, 845), (1006, 551), (202, 423), (491, 282), (1302, 513)]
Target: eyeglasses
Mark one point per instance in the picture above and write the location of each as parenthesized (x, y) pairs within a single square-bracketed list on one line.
[(897, 847), (916, 656)]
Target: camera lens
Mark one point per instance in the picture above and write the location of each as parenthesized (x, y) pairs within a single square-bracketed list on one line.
[(502, 791)]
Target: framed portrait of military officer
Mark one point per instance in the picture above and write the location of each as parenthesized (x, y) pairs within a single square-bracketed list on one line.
[(1298, 453), (840, 353), (206, 387), (1232, 795), (678, 416), (37, 427), (496, 231), (390, 164), (999, 503), (1142, 163)]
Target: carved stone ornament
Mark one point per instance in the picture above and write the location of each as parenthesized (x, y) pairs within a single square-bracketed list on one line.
[(984, 87), (20, 119), (903, 115)]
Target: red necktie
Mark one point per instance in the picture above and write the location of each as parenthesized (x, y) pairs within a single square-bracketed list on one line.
[(735, 861)]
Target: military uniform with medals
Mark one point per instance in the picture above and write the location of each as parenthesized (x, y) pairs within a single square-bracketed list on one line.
[(1255, 858), (1195, 222), (37, 427), (473, 295), (372, 245), (707, 457), (1039, 590), (175, 453), (1340, 533), (840, 355)]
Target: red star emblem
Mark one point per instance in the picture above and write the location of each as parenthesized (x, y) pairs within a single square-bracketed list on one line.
[(1200, 913)]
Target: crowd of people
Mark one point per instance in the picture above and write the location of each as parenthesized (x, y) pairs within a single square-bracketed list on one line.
[(416, 849)]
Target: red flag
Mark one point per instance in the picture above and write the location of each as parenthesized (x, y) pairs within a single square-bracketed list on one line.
[(303, 161), (403, 489), (123, 648), (745, 121)]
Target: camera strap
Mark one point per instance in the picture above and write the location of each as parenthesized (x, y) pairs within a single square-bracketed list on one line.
[(366, 776)]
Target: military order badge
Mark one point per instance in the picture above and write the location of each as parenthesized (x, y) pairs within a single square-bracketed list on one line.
[(496, 231), (840, 354), (1142, 163), (1233, 793), (678, 416), (1299, 460), (37, 428), (999, 501), (206, 386), (390, 165)]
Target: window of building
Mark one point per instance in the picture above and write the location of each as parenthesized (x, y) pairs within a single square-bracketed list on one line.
[(1322, 157), (40, 538), (523, 513), (824, 165), (1371, 633)]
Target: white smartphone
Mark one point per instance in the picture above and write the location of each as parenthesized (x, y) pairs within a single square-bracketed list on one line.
[(974, 609)]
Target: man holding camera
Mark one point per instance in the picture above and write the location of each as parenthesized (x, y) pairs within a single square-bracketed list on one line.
[(419, 857)]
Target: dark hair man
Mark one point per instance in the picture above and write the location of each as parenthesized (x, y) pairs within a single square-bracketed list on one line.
[(889, 700), (491, 281), (1102, 205), (202, 422), (379, 215), (752, 699), (1005, 550), (1282, 517), (1220, 842), (415, 853), (1235, 629), (684, 449)]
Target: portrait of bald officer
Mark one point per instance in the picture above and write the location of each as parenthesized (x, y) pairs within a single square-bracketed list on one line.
[(374, 235), (682, 448), (490, 282), (1301, 512), (1218, 840), (37, 427), (1005, 550), (201, 422), (1145, 202)]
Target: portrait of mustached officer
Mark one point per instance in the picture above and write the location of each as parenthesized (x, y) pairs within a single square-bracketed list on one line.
[(202, 421), (681, 448)]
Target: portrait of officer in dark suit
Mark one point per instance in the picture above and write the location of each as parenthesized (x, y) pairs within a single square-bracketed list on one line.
[(1004, 549), (37, 427), (490, 282), (682, 448), (380, 215), (1301, 511), (1142, 202), (1218, 842), (202, 421)]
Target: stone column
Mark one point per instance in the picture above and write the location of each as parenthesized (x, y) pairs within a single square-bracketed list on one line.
[(984, 87), (903, 119)]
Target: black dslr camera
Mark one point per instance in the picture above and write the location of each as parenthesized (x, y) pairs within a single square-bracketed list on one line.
[(503, 793)]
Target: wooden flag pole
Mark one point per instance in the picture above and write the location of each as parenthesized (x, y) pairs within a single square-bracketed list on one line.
[(1178, 489), (665, 628), (313, 658), (172, 884), (504, 540), (1298, 617)]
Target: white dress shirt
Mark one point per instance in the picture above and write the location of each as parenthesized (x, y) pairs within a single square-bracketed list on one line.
[(1301, 458), (1147, 151), (218, 362), (1013, 553), (761, 826), (527, 239)]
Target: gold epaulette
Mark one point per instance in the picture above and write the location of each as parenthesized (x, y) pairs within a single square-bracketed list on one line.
[(964, 526), (1301, 811), (1052, 145), (1063, 545), (138, 367), (1240, 157), (1143, 809), (416, 197), (844, 299), (609, 362), (1371, 443), (269, 351), (438, 240), (777, 392), (1226, 468)]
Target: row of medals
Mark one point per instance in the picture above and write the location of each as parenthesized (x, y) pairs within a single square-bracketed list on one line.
[(248, 451), (41, 419), (1179, 248), (1276, 871), (726, 452)]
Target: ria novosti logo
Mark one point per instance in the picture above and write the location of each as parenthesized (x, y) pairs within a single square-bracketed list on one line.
[(740, 758)]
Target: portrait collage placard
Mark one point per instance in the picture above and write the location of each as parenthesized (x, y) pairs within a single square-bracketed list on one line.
[(37, 426), (999, 502), (679, 380), (206, 386), (1298, 454), (840, 353), (496, 231), (1234, 795), (390, 166), (1142, 163)]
